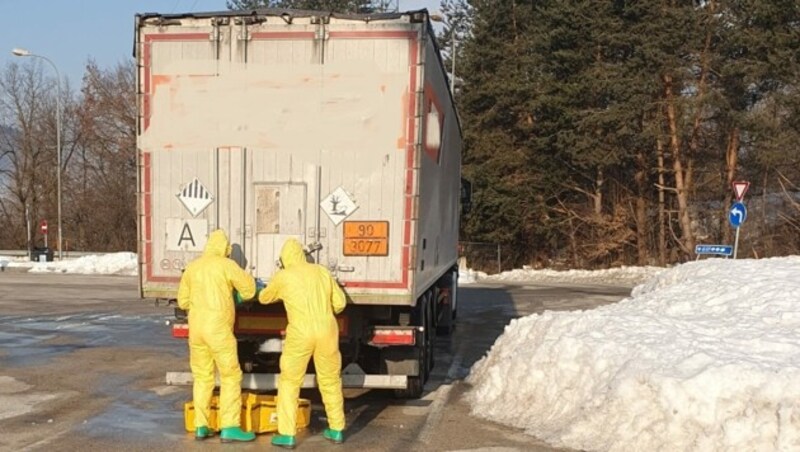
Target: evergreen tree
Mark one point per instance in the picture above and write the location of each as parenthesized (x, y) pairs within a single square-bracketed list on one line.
[(339, 6), (455, 16), (498, 109)]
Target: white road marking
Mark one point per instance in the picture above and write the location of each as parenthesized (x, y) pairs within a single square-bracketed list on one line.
[(442, 395)]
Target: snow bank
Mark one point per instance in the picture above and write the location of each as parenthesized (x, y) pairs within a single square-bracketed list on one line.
[(705, 356), (620, 275), (107, 264)]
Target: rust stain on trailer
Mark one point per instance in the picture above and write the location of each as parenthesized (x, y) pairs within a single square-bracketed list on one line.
[(402, 140), (160, 80), (268, 204)]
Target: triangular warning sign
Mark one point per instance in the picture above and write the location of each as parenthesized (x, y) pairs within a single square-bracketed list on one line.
[(740, 188)]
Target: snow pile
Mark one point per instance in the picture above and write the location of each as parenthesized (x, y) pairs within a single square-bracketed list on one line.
[(704, 356), (469, 276), (12, 261), (620, 275), (107, 264)]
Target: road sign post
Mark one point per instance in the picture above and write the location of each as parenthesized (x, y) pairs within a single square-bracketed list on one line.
[(43, 227), (736, 217), (738, 212)]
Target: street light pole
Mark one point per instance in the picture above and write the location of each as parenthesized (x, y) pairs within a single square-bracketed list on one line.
[(25, 53)]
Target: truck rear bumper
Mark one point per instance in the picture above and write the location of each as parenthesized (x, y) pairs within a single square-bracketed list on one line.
[(270, 381)]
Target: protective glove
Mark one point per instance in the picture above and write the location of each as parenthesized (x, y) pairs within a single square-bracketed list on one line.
[(237, 297)]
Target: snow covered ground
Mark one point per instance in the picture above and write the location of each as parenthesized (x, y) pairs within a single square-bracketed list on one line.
[(105, 264), (703, 356), (125, 264), (621, 275)]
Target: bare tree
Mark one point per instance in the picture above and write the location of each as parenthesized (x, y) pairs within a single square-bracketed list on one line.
[(27, 150), (104, 172)]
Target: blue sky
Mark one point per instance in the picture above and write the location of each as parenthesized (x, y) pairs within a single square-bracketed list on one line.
[(69, 32)]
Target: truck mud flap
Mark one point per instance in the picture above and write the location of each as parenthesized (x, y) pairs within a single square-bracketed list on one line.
[(270, 381)]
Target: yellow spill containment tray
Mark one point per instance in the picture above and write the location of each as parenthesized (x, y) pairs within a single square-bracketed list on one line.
[(259, 413)]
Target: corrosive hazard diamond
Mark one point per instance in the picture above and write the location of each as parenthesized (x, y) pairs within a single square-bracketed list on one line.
[(195, 197)]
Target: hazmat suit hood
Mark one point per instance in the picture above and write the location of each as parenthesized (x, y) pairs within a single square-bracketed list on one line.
[(217, 244), (292, 253)]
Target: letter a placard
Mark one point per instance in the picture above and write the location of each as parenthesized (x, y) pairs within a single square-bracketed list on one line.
[(186, 235), (740, 188)]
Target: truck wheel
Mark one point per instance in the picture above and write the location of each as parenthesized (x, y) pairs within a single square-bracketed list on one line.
[(412, 391), (446, 323), (429, 336), (448, 318), (454, 296), (424, 349)]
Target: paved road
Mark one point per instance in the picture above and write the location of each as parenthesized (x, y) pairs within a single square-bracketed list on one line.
[(82, 364)]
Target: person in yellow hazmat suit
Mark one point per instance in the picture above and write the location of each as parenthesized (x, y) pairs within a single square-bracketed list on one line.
[(312, 298), (206, 292)]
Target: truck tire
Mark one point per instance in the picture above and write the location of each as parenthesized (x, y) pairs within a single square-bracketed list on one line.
[(412, 391), (454, 295), (445, 327), (424, 349), (447, 320), (430, 329)]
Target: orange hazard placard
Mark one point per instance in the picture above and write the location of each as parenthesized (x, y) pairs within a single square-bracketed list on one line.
[(366, 238)]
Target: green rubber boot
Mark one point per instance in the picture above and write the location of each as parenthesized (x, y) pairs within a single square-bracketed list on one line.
[(286, 441), (333, 435), (201, 433), (231, 434)]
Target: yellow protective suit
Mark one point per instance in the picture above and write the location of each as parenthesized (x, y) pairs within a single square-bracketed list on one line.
[(205, 291), (311, 297)]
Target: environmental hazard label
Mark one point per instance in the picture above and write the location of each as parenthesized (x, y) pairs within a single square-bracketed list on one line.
[(338, 205)]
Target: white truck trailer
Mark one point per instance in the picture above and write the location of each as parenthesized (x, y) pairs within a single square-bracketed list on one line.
[(338, 130)]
